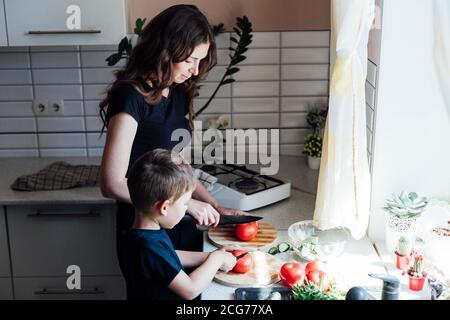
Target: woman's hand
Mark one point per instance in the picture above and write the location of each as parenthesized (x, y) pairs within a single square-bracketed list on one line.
[(203, 213), (232, 212)]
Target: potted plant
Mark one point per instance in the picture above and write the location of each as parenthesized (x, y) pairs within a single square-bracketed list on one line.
[(402, 213), (313, 149), (416, 273), (402, 253), (316, 119)]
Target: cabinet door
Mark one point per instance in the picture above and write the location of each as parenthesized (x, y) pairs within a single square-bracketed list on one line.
[(46, 240), (65, 22), (6, 289), (4, 251), (3, 39), (92, 288)]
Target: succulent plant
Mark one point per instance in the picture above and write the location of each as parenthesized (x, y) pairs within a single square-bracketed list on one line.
[(404, 246), (406, 205), (416, 268)]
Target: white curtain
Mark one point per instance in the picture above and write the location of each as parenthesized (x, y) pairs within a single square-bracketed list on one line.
[(343, 195), (441, 12)]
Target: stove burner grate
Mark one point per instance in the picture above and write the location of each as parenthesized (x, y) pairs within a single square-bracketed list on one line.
[(208, 168), (247, 184)]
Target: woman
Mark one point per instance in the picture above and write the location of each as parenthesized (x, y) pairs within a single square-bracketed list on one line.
[(149, 99)]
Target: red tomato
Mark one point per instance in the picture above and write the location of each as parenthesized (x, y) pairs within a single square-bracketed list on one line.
[(316, 265), (246, 231), (243, 264), (315, 276), (292, 273)]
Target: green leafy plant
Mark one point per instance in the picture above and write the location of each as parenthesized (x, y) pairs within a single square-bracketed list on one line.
[(313, 145), (241, 39), (316, 118), (311, 291), (125, 45), (406, 205)]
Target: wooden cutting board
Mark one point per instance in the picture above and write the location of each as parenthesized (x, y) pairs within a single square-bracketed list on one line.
[(224, 235), (265, 271)]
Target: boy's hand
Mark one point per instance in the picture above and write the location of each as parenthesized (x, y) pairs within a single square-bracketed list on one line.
[(228, 260), (230, 248)]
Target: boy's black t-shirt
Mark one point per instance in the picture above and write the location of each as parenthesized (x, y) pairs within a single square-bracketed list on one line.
[(149, 265)]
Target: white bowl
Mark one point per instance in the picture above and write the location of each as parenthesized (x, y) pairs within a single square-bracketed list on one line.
[(311, 243)]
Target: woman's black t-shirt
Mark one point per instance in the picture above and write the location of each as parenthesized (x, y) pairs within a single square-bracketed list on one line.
[(155, 126), (155, 122)]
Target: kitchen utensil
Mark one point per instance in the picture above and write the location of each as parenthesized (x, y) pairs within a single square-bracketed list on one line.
[(265, 271), (224, 235), (390, 289), (261, 293), (311, 243), (226, 219), (241, 255)]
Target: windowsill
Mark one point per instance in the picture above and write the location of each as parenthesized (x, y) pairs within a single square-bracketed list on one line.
[(405, 293)]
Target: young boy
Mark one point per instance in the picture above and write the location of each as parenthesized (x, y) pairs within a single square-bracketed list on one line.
[(160, 184)]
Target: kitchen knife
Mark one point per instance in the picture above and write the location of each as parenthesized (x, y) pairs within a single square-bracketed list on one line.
[(226, 219)]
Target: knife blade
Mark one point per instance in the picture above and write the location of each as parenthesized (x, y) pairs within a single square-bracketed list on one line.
[(241, 255), (225, 219)]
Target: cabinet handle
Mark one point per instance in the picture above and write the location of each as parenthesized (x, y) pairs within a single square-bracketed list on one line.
[(38, 32), (90, 213), (46, 291)]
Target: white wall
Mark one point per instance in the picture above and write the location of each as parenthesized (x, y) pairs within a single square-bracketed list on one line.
[(412, 134)]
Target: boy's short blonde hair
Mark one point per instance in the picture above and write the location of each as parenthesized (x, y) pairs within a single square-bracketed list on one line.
[(159, 175)]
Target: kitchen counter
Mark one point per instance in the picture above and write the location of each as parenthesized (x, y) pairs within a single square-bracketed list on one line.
[(350, 269), (303, 182), (15, 167)]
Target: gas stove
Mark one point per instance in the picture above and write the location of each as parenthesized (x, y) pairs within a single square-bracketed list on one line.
[(241, 188)]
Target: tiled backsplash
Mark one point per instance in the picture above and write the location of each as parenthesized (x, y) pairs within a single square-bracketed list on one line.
[(284, 74)]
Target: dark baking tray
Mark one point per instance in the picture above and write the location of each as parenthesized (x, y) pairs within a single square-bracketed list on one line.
[(261, 293)]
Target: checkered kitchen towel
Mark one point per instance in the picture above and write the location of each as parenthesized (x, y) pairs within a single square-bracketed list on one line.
[(59, 175)]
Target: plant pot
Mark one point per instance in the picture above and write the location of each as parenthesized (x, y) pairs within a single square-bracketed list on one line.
[(402, 262), (416, 283), (396, 227), (313, 163)]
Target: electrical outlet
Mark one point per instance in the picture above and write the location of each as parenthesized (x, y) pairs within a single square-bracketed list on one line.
[(40, 107), (56, 108)]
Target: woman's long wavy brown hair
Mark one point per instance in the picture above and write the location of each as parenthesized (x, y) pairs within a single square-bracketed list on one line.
[(168, 38)]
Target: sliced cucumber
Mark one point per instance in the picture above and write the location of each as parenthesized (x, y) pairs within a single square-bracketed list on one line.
[(284, 246), (273, 250)]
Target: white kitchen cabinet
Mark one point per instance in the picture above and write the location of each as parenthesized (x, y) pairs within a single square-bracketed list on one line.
[(3, 38), (65, 22), (46, 240), (92, 288)]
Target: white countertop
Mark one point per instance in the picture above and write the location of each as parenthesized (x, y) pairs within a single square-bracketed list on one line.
[(293, 169), (14, 167), (350, 269)]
